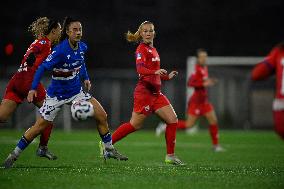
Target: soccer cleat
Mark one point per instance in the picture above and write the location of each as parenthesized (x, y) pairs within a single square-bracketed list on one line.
[(10, 160), (192, 131), (108, 153), (174, 160), (44, 152), (218, 148), (160, 128)]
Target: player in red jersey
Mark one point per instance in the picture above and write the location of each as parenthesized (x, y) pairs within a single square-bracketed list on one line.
[(274, 63), (148, 98), (198, 104), (46, 32)]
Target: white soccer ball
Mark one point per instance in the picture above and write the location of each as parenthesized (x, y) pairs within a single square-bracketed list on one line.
[(81, 110)]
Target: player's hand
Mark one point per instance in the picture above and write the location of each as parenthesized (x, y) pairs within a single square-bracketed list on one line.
[(209, 82), (87, 85), (161, 72), (31, 95), (173, 74)]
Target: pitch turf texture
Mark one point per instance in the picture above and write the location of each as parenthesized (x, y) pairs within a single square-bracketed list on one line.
[(252, 160)]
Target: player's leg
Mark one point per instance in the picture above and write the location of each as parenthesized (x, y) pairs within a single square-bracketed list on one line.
[(166, 112), (25, 140), (168, 115), (7, 108), (42, 150), (213, 129), (125, 129), (279, 122), (141, 110), (107, 148)]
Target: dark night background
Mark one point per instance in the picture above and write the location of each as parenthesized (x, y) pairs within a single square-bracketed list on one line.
[(224, 28)]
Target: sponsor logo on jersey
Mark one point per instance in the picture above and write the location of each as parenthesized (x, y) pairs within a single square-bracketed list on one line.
[(155, 59), (138, 56), (75, 63), (42, 42), (68, 56)]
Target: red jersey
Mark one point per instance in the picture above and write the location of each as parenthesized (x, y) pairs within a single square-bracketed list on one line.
[(147, 63), (200, 94), (41, 48)]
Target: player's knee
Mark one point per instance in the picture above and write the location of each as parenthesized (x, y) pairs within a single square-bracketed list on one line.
[(172, 120)]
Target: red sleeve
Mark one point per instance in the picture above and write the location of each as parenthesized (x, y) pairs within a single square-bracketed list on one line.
[(271, 59), (140, 63), (265, 68), (261, 71)]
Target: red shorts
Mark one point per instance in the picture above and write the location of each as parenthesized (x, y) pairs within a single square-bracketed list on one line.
[(147, 103), (17, 90), (199, 109)]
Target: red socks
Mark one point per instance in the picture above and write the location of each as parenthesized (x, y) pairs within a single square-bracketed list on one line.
[(171, 137), (213, 130), (122, 131), (44, 137), (181, 124)]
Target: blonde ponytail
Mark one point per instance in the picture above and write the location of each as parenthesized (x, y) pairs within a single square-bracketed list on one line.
[(39, 27), (136, 37)]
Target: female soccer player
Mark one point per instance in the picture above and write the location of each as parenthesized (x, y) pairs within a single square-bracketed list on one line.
[(274, 63), (198, 105), (46, 32), (147, 95), (67, 62)]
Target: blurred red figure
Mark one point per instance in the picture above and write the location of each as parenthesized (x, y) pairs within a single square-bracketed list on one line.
[(9, 49), (274, 64), (46, 32), (148, 98), (198, 104)]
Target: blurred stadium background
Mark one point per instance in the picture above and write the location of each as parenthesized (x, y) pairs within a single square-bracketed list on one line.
[(235, 33)]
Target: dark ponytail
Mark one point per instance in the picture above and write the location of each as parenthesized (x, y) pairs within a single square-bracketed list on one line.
[(66, 23), (52, 24)]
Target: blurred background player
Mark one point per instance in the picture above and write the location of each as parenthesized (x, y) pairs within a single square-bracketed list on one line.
[(198, 104), (274, 64), (47, 33), (67, 63), (148, 98)]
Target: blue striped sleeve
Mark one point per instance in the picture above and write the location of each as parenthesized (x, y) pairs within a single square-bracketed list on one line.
[(83, 72)]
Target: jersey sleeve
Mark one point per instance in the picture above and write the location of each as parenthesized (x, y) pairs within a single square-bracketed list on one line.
[(271, 59), (53, 59), (141, 58), (265, 68), (83, 72)]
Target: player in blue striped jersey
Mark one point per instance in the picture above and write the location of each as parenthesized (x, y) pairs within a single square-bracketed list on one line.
[(67, 63)]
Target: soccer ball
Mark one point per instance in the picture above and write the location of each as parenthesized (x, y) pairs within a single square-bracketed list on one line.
[(81, 110)]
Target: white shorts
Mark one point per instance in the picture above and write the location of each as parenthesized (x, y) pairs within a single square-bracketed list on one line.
[(51, 105)]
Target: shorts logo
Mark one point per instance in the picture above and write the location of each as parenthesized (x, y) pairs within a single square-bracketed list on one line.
[(147, 108)]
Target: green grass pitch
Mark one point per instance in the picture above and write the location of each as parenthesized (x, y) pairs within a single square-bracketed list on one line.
[(252, 160)]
